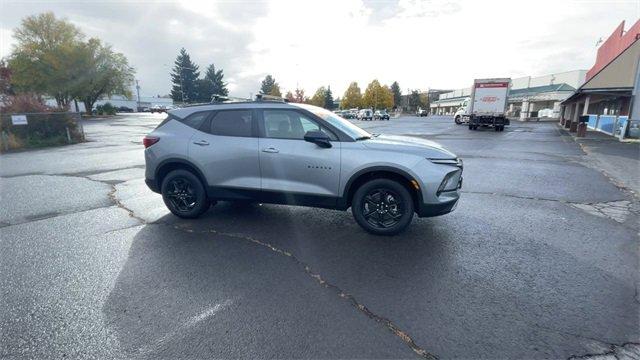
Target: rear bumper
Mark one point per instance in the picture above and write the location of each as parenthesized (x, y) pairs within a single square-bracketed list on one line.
[(152, 185)]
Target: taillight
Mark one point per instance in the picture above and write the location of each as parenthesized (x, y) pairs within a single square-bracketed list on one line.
[(149, 140)]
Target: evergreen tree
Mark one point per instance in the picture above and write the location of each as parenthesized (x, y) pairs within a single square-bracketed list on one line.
[(268, 84), (397, 94), (328, 99), (184, 79), (211, 84)]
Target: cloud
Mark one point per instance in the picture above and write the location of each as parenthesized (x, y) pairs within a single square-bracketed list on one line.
[(151, 34), (420, 44)]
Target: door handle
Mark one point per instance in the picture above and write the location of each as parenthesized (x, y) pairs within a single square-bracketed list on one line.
[(201, 142), (270, 150)]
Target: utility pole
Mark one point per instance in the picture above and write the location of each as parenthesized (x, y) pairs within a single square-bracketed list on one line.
[(138, 94)]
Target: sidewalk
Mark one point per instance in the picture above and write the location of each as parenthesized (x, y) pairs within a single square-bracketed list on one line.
[(620, 160)]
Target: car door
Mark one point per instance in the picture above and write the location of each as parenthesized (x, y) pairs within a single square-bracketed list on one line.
[(226, 149), (301, 172)]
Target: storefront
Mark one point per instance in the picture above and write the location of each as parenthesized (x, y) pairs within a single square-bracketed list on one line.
[(605, 100)]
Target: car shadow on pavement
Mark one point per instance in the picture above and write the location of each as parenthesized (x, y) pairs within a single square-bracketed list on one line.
[(236, 283)]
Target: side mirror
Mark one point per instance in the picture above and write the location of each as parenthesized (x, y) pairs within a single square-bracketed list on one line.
[(319, 138)]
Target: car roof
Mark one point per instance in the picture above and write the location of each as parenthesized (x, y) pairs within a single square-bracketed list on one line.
[(186, 111)]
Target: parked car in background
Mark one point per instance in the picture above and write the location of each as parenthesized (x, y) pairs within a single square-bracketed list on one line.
[(266, 149), (381, 115), (124, 109), (422, 112), (157, 109), (365, 115)]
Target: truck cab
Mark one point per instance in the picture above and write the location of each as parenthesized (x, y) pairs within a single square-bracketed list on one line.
[(462, 115)]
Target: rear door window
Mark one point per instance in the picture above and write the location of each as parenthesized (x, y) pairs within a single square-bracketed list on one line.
[(232, 123)]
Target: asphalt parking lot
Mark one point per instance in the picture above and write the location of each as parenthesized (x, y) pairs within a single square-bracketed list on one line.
[(539, 260)]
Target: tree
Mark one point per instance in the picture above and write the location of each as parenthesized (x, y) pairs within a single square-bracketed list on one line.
[(105, 72), (212, 84), (352, 97), (299, 96), (44, 60), (289, 97), (275, 90), (5, 79), (397, 94), (267, 85), (414, 100), (377, 96), (318, 99), (328, 99), (424, 101), (184, 76)]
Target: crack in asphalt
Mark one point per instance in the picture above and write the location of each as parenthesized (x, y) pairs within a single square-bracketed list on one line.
[(614, 350), (392, 327)]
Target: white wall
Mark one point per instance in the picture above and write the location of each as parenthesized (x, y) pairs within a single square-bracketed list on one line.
[(573, 78)]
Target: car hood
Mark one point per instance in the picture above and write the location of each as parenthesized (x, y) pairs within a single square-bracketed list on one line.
[(428, 148)]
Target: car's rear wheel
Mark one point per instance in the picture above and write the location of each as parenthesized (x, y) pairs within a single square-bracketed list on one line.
[(382, 207), (184, 194), (458, 120)]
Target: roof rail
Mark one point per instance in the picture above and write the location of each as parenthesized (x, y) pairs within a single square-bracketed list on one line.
[(217, 98), (265, 97)]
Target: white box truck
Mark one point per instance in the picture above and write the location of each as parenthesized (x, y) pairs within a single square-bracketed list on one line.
[(487, 105)]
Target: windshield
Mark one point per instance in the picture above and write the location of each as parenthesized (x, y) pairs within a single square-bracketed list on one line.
[(341, 124)]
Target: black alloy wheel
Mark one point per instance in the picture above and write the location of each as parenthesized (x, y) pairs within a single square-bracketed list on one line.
[(181, 194), (184, 194), (382, 207)]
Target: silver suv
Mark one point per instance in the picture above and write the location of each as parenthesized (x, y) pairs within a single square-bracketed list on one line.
[(296, 154)]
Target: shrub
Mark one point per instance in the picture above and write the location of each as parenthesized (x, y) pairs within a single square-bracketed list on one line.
[(46, 125), (106, 109)]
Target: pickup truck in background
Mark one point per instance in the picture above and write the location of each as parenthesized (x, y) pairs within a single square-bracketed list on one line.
[(487, 105)]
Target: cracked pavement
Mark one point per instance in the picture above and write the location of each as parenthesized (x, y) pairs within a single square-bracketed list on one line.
[(539, 260)]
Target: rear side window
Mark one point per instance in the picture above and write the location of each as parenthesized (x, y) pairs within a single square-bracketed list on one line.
[(232, 123), (195, 120)]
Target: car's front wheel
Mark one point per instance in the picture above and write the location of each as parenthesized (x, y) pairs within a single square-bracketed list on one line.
[(458, 120), (184, 194), (382, 207)]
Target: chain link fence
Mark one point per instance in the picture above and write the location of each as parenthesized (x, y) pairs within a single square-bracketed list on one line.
[(33, 130)]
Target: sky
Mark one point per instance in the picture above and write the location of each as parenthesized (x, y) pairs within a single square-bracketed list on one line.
[(308, 44)]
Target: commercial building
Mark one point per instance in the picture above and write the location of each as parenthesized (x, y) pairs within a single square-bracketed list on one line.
[(530, 97), (605, 100)]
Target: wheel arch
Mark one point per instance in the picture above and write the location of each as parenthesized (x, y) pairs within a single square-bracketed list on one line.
[(377, 172), (168, 165)]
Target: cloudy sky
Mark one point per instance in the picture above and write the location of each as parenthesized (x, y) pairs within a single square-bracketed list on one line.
[(421, 44)]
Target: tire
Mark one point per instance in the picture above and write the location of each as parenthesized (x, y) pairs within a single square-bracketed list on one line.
[(458, 120), (496, 128), (394, 202), (184, 195)]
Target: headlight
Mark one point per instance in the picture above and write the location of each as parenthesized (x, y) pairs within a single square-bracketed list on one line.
[(453, 162)]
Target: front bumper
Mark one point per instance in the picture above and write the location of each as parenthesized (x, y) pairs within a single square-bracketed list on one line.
[(430, 210)]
